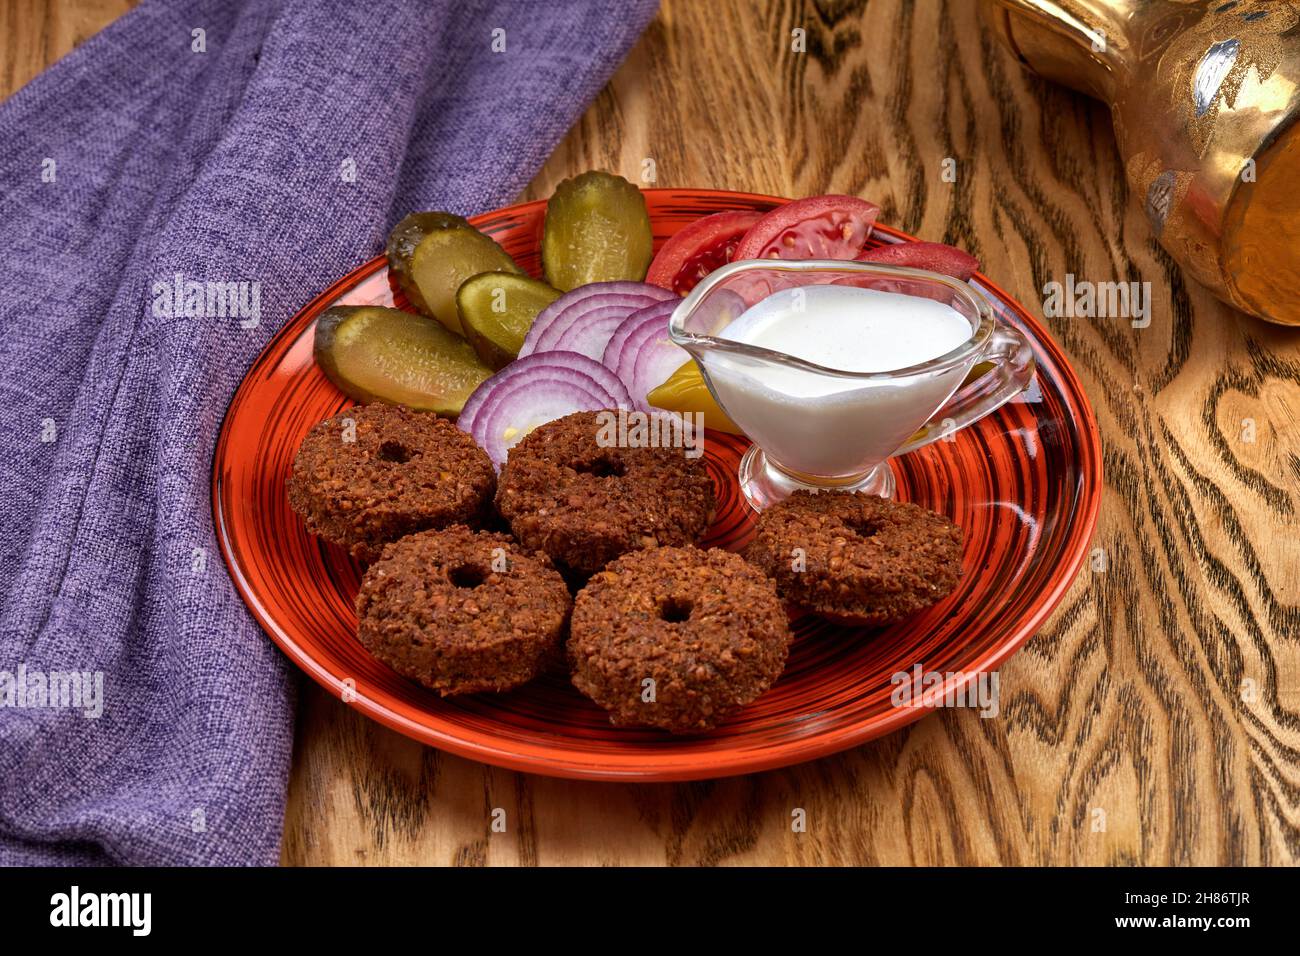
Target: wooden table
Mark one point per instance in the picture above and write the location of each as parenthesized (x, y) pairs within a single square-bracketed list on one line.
[(1156, 718)]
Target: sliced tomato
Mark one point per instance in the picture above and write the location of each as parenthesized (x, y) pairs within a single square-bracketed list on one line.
[(934, 256), (819, 227), (698, 249)]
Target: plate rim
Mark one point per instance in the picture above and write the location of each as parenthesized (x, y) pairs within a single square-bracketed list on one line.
[(722, 764)]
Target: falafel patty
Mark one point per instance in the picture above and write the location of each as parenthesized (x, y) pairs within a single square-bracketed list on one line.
[(462, 611), (374, 473), (677, 638), (584, 504), (857, 558)]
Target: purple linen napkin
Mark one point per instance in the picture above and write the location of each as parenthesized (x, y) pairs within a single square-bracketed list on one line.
[(144, 717)]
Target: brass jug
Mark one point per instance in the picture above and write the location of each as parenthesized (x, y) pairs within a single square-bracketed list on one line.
[(1205, 98)]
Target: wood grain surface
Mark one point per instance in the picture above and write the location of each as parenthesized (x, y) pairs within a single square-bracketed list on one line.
[(1154, 719)]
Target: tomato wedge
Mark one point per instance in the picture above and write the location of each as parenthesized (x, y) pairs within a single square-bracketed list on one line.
[(934, 256), (819, 227), (699, 248)]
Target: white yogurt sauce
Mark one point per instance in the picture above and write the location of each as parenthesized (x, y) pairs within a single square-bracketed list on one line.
[(828, 425)]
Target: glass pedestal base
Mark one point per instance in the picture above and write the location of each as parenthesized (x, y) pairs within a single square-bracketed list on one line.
[(764, 483)]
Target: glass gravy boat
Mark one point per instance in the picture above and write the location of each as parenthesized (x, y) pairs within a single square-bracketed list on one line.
[(830, 429)]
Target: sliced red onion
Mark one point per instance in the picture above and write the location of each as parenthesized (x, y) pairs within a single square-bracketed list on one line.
[(654, 357), (641, 353), (520, 407), (613, 354), (534, 390), (590, 333), (568, 311), (546, 329)]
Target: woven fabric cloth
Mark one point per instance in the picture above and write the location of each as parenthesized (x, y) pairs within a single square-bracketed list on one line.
[(144, 717)]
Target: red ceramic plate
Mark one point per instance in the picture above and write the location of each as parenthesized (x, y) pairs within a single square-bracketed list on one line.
[(1024, 483)]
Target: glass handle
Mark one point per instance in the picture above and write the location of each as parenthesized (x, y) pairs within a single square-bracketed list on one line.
[(1012, 367)]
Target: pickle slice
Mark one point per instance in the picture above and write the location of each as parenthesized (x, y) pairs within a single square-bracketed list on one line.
[(432, 253), (376, 354), (497, 309), (406, 235), (597, 230)]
